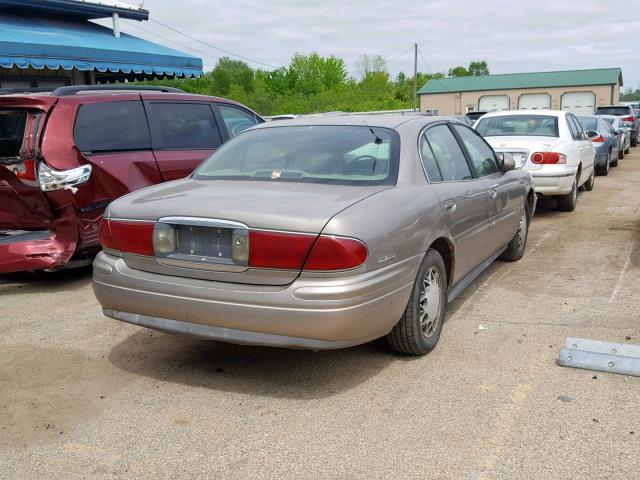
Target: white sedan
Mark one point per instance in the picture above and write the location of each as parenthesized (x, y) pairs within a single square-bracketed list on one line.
[(550, 145)]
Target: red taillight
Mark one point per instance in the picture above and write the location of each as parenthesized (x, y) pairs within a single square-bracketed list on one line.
[(598, 139), (336, 253), (29, 172), (278, 249), (106, 239), (289, 251), (629, 119), (132, 237), (540, 158)]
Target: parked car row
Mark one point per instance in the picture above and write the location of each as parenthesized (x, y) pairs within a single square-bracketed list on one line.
[(316, 232)]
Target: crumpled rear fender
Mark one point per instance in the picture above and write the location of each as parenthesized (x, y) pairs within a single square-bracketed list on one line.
[(52, 251)]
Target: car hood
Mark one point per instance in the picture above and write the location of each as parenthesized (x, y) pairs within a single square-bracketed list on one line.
[(300, 207)]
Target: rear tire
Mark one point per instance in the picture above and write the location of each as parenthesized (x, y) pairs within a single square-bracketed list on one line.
[(634, 141), (567, 203), (515, 249), (418, 331), (620, 154), (604, 169)]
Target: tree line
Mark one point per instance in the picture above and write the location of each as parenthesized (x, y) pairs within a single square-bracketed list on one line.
[(313, 83)]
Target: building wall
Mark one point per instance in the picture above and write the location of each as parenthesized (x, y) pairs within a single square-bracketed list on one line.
[(456, 103)]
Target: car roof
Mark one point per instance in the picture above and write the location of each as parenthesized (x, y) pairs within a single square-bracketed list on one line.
[(382, 120), (549, 113)]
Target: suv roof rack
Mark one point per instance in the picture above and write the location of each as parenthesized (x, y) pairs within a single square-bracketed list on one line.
[(67, 91), (8, 91)]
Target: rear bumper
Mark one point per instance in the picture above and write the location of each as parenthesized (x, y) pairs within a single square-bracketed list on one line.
[(312, 313), (554, 182)]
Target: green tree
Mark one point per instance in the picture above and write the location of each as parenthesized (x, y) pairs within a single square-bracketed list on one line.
[(458, 72), (478, 68)]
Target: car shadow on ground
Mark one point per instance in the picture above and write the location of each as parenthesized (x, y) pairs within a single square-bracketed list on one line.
[(250, 370), (263, 371), (33, 282)]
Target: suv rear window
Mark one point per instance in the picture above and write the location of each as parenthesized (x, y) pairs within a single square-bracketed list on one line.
[(622, 110), (518, 126), (343, 155), (112, 126), (12, 126), (183, 126)]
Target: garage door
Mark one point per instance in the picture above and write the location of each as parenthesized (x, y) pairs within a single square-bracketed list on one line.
[(578, 102), (489, 103), (534, 101)]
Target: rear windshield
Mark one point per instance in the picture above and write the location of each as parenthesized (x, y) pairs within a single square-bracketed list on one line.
[(613, 110), (588, 123), (12, 126), (344, 155), (518, 126)]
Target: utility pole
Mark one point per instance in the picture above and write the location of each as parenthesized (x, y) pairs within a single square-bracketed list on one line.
[(415, 76)]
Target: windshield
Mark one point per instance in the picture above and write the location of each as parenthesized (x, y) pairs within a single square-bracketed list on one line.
[(518, 126), (346, 155), (614, 110), (588, 123)]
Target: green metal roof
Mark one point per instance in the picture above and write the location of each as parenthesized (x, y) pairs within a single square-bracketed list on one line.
[(567, 78)]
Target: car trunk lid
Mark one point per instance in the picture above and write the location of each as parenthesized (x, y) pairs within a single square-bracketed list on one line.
[(522, 147), (207, 216)]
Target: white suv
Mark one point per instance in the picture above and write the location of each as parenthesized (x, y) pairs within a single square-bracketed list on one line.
[(550, 145)]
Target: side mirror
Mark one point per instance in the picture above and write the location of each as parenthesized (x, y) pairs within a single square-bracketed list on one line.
[(506, 161), (619, 131), (592, 134)]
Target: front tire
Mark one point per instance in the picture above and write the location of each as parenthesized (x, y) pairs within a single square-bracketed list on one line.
[(567, 203), (603, 170), (515, 249), (634, 141), (418, 331)]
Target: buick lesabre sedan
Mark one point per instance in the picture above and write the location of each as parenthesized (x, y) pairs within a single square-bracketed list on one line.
[(317, 233)]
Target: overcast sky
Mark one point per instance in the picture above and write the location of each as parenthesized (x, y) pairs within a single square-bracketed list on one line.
[(512, 36)]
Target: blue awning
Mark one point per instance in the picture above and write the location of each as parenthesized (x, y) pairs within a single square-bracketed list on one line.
[(27, 41)]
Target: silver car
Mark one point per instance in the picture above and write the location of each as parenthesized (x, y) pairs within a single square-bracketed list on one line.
[(317, 233)]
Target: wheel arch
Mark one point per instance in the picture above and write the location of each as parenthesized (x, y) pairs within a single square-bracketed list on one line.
[(445, 248)]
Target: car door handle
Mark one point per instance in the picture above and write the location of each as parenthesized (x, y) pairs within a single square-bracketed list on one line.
[(450, 206)]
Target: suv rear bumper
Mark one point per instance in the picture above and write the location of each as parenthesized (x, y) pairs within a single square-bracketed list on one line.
[(313, 312)]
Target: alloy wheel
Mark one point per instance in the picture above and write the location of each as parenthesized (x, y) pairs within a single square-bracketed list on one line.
[(430, 301)]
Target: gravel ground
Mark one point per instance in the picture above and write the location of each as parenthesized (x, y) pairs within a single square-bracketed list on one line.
[(83, 396)]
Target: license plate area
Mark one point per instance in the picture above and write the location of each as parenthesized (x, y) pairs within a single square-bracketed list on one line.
[(204, 243)]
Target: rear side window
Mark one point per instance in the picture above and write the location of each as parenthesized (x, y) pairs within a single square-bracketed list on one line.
[(237, 120), (451, 161), (429, 161), (575, 127), (614, 110), (112, 126), (183, 126), (480, 153), (12, 127)]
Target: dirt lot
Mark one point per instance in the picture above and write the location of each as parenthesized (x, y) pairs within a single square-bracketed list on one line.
[(82, 396)]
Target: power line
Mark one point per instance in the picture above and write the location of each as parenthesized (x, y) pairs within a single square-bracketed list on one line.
[(434, 75), (166, 39), (398, 56), (213, 46)]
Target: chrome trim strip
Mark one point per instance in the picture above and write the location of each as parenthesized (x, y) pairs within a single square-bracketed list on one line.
[(203, 222), (552, 175)]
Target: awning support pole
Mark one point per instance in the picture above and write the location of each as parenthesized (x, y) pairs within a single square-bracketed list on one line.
[(116, 25)]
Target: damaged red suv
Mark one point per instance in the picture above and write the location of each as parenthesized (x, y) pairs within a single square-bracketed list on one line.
[(66, 154)]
